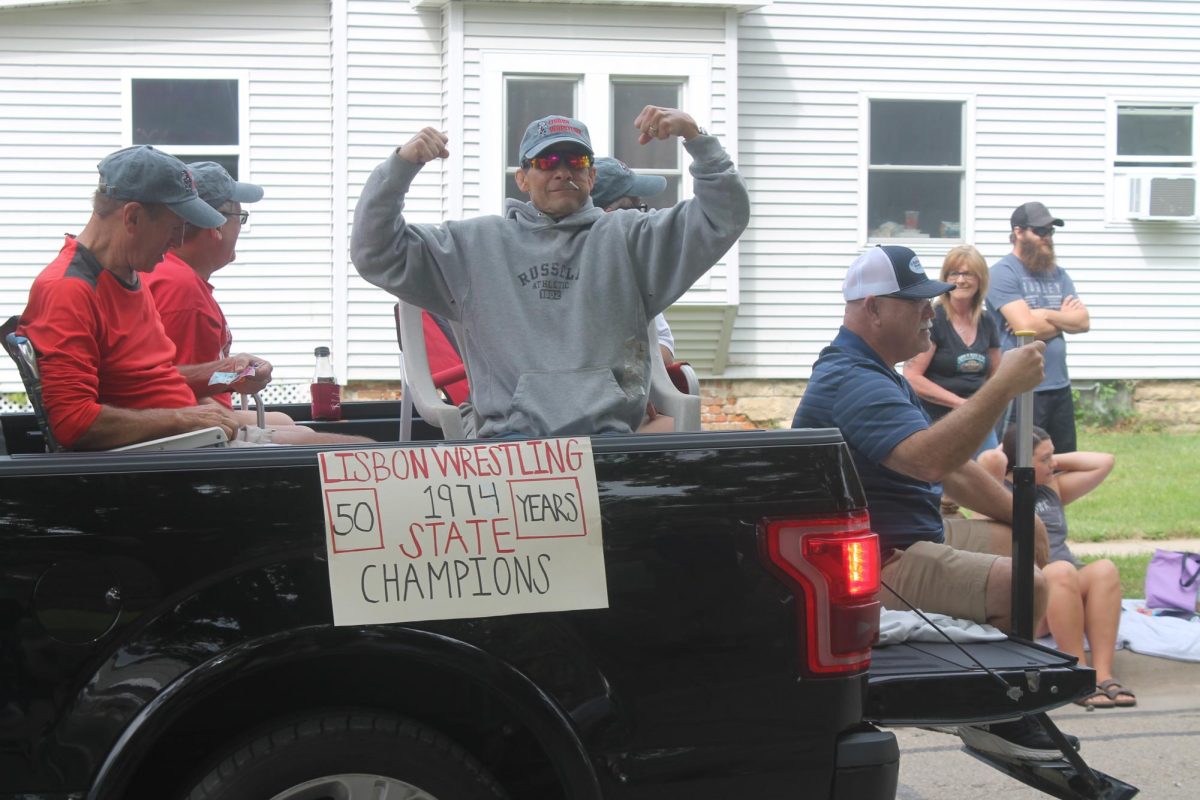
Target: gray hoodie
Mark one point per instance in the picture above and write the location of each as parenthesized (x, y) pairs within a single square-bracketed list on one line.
[(554, 312)]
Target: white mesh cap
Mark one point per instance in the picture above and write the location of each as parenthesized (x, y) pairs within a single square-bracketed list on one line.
[(893, 271)]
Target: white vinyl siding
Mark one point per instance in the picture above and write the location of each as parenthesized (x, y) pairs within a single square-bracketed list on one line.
[(1040, 79), (395, 76), (62, 109), (333, 86)]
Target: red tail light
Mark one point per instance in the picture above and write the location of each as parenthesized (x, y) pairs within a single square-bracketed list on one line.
[(831, 564)]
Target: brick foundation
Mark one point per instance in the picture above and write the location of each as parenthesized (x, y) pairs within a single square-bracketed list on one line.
[(735, 405), (1173, 404), (747, 404), (740, 405)]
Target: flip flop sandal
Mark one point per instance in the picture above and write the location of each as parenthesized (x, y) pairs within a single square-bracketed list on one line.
[(1121, 697), (1093, 700)]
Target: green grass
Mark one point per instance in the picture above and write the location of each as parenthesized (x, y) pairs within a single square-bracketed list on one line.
[(1132, 569), (1151, 494)]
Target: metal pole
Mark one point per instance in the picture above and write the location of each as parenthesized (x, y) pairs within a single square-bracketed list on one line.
[(1024, 492)]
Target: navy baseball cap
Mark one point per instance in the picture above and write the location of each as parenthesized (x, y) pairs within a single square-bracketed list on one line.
[(217, 187), (146, 175), (888, 270), (554, 129), (614, 180)]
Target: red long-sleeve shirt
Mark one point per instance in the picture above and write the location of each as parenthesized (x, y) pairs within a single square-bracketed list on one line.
[(190, 315), (99, 341)]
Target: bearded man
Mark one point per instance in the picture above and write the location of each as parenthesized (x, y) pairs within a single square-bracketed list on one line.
[(1029, 292)]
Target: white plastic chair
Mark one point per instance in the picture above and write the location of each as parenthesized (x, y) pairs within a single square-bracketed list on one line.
[(417, 381)]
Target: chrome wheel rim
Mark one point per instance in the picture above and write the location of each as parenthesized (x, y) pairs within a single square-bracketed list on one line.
[(354, 786)]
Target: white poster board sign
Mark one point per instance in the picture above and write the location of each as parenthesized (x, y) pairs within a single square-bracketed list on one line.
[(457, 531)]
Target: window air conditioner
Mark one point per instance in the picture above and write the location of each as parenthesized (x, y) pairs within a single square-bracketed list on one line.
[(1162, 197)]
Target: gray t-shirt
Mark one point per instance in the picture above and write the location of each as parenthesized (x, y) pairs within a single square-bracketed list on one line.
[(1010, 280), (1049, 508)]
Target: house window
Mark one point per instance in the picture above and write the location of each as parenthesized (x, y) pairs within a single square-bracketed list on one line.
[(535, 96), (192, 119), (916, 175), (657, 157), (527, 98), (1155, 136)]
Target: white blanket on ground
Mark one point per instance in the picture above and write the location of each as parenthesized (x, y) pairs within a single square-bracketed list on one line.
[(1165, 637), (905, 626)]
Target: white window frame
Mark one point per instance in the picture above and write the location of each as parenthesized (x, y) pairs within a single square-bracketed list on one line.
[(241, 149), (967, 219), (595, 72), (1113, 211)]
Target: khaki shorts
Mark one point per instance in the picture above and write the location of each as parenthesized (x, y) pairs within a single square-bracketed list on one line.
[(940, 578), (974, 535)]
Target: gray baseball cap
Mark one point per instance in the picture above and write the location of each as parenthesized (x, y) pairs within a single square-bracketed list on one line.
[(217, 187), (614, 180), (554, 129), (146, 175)]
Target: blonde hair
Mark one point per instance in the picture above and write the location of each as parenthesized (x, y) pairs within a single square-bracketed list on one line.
[(965, 257)]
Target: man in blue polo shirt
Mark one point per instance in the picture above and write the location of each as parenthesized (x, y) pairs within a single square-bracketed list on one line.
[(903, 459)]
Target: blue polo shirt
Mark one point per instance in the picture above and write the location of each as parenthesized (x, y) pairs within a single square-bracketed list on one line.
[(852, 389)]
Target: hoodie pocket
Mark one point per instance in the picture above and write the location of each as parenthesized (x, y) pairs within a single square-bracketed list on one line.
[(566, 403)]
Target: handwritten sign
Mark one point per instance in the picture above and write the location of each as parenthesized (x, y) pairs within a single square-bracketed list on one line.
[(455, 531)]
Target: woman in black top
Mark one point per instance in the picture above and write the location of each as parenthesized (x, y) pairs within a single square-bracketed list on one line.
[(965, 347)]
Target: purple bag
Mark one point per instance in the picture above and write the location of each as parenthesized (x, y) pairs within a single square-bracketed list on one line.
[(1172, 580)]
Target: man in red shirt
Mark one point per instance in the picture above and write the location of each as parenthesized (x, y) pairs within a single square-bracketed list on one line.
[(107, 367), (108, 377), (191, 316)]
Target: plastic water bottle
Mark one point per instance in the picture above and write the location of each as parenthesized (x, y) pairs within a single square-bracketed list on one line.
[(326, 394)]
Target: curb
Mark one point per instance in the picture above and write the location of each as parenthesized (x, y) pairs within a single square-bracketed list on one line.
[(1124, 547), (1135, 670)]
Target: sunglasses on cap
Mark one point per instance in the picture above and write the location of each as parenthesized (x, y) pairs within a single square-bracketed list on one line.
[(552, 161), (626, 203), (1044, 231)]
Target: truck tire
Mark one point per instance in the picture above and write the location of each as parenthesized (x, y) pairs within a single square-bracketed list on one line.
[(348, 755)]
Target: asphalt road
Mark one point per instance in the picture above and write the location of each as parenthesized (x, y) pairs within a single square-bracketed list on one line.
[(1153, 746)]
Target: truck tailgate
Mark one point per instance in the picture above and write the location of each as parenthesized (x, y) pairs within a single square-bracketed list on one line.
[(936, 683)]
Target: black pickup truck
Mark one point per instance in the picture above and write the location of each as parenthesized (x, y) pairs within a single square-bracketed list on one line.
[(166, 632)]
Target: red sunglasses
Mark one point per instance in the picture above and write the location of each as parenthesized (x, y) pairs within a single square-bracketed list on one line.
[(551, 162)]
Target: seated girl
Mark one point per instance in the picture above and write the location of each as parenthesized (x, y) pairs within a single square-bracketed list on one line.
[(1083, 598)]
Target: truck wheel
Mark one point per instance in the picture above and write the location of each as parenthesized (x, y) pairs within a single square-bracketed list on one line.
[(346, 755)]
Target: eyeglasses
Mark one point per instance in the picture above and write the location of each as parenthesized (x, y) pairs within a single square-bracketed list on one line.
[(1045, 231), (242, 216), (953, 276), (552, 161)]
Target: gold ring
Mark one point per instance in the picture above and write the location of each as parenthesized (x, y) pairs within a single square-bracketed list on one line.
[(654, 131)]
